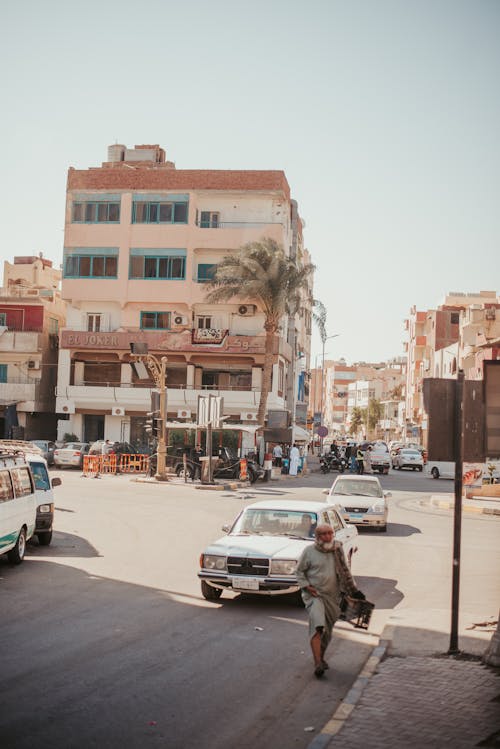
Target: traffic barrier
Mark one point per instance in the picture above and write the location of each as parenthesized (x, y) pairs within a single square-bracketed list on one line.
[(91, 465), (243, 469), (134, 463)]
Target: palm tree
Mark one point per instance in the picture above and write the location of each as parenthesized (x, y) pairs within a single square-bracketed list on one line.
[(357, 420), (261, 271)]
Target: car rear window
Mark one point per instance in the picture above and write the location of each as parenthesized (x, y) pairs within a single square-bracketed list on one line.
[(352, 486)]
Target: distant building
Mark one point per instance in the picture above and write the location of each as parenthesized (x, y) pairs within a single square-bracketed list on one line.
[(31, 314)]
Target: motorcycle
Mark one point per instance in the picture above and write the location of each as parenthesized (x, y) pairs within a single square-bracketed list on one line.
[(332, 462)]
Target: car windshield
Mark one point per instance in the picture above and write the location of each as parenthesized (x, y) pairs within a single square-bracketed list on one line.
[(293, 523), (40, 475), (359, 488), (41, 444), (73, 446), (411, 452)]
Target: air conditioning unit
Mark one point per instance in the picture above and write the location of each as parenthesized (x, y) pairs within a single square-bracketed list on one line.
[(183, 413), (117, 411), (246, 310), (33, 364), (179, 320), (248, 416)]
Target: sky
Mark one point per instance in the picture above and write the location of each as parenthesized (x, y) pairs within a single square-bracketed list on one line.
[(384, 115)]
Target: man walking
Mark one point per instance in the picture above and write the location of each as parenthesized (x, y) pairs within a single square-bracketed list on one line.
[(360, 460), (278, 455), (323, 574)]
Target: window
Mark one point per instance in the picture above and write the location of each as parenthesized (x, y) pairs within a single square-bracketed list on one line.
[(155, 320), (95, 212), (6, 490), (204, 321), (455, 318), (209, 220), (94, 322), (3, 319), (161, 266), (90, 266), (53, 325), (160, 212), (3, 372), (22, 481), (40, 476), (206, 272)]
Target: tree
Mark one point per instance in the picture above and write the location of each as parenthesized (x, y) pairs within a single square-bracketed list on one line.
[(261, 271), (374, 414), (357, 420)]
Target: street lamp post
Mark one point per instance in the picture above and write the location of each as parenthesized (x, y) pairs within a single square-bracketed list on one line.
[(327, 338), (158, 368)]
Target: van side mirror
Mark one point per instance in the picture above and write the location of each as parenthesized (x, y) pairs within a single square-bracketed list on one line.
[(387, 495), (56, 481), (226, 528), (325, 491)]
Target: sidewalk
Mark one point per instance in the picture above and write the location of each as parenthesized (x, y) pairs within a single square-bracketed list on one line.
[(482, 505), (417, 701)]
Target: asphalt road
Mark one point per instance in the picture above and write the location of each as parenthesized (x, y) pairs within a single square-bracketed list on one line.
[(107, 642)]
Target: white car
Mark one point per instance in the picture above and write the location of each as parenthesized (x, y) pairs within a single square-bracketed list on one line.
[(408, 457), (361, 499), (71, 455), (260, 552)]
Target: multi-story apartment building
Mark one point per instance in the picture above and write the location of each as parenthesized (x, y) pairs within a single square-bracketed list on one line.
[(31, 313), (337, 377), (141, 240)]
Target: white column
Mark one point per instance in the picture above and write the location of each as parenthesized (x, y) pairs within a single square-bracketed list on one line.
[(126, 375), (257, 378), (79, 372), (63, 371), (190, 376)]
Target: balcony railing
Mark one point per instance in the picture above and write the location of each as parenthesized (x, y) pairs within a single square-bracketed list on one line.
[(235, 224), (61, 392)]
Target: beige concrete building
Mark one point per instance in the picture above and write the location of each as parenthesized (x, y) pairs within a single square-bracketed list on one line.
[(31, 315), (141, 240)]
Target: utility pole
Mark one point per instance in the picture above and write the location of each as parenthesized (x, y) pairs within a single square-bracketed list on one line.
[(457, 518), (158, 368)]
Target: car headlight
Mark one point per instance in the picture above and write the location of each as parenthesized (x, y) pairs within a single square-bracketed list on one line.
[(283, 566), (214, 562), (45, 508), (377, 509)]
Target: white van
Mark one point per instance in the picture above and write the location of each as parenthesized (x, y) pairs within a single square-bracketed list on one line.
[(17, 505), (43, 486), (440, 469)]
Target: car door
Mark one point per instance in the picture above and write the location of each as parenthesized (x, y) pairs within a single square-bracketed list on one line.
[(344, 533)]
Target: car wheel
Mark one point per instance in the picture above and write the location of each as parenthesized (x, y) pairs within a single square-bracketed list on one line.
[(297, 599), (435, 473), (180, 472), (420, 468), (413, 468), (386, 471), (252, 477), (44, 539), (383, 528), (16, 555), (209, 593)]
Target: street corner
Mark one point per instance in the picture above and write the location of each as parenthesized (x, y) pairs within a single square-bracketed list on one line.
[(473, 506)]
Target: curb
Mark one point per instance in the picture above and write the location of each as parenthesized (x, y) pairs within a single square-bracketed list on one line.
[(333, 727), (449, 505)]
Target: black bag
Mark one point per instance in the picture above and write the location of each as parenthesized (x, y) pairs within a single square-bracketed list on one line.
[(355, 611)]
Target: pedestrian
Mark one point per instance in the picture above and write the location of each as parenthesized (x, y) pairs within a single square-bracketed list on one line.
[(323, 576), (367, 460), (198, 453), (360, 460), (278, 456), (294, 460)]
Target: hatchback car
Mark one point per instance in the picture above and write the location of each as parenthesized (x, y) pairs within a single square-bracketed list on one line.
[(71, 455), (361, 499), (260, 552), (408, 458)]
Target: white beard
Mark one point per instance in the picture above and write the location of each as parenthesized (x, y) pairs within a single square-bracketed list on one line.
[(325, 545)]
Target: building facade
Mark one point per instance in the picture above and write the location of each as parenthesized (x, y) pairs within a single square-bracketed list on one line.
[(31, 315), (142, 238)]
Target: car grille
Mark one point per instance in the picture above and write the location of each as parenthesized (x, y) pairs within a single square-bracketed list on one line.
[(355, 509), (254, 566)]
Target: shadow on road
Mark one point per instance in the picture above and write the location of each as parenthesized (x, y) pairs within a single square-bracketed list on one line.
[(63, 545), (393, 529)]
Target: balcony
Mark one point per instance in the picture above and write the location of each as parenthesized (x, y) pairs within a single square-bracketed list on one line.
[(131, 398), (22, 341), (19, 392), (216, 224)]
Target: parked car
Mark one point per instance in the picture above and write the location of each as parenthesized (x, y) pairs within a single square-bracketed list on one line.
[(361, 499), (260, 552), (408, 457), (226, 464), (47, 447), (71, 455), (440, 469)]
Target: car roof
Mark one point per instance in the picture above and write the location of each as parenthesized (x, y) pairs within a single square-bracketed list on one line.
[(357, 477), (289, 504)]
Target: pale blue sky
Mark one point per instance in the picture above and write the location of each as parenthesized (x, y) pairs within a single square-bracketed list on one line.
[(384, 114)]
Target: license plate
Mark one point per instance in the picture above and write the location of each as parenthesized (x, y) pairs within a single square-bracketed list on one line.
[(245, 583), (356, 514)]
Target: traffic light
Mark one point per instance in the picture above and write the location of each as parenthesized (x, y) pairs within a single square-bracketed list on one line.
[(154, 422)]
